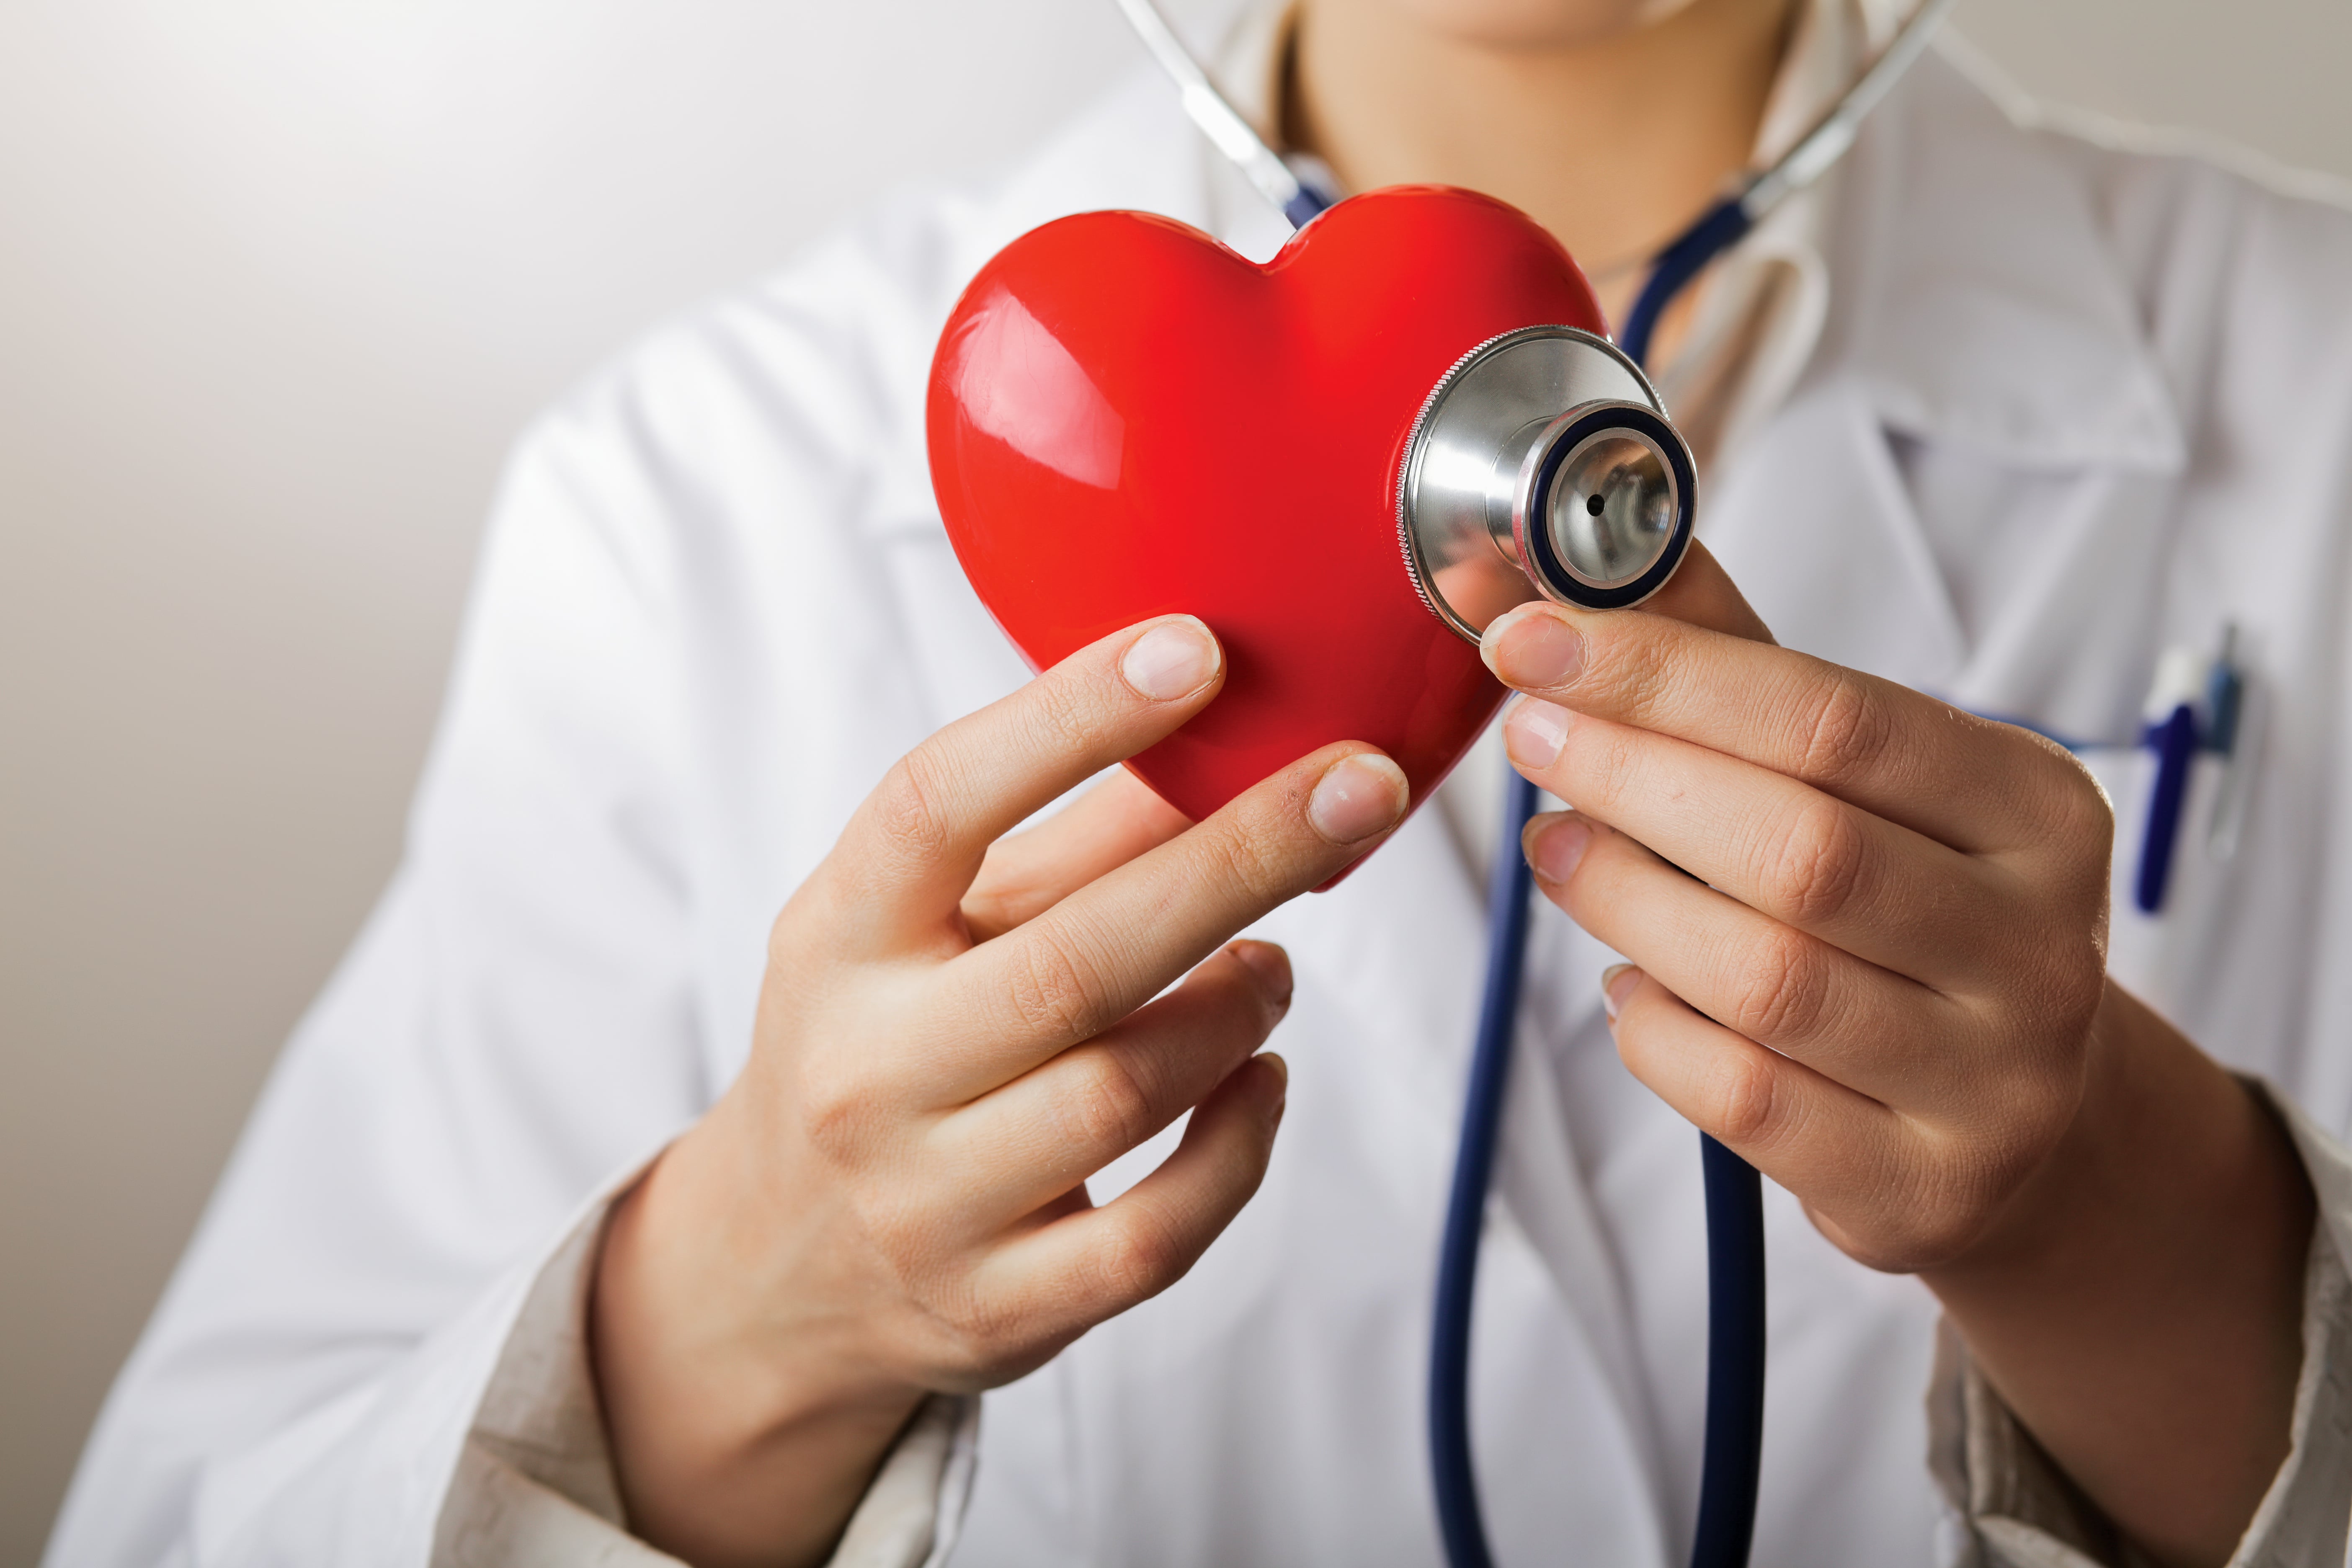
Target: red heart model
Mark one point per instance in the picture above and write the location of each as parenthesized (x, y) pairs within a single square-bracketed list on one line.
[(1126, 419)]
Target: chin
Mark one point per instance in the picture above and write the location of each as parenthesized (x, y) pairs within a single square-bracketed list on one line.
[(1534, 24)]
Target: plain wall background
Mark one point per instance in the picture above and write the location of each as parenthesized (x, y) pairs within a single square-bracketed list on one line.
[(277, 283)]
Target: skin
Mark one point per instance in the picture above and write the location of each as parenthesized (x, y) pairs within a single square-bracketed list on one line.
[(957, 1029), (1870, 932), (1883, 981), (1611, 122)]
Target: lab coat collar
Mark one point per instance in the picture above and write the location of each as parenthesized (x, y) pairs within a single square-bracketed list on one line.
[(1970, 287), (1976, 303), (1981, 304)]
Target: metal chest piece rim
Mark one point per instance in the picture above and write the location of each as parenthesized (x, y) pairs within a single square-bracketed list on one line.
[(1542, 465)]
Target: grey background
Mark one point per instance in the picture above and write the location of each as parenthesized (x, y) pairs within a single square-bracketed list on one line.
[(277, 283)]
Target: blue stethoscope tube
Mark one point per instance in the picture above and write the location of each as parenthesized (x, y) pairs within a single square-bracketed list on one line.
[(1732, 1456), (1734, 1444)]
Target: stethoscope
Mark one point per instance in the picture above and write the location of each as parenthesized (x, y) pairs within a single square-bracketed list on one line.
[(1543, 463)]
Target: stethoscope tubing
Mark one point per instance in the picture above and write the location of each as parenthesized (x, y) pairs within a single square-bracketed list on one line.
[(1732, 1456), (1732, 1453), (1509, 885), (1733, 1449)]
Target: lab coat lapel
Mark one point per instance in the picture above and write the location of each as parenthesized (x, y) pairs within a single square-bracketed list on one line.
[(1813, 526), (1984, 302), (1979, 308), (1993, 320)]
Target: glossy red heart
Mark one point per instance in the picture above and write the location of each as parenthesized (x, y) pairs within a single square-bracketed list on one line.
[(1126, 419)]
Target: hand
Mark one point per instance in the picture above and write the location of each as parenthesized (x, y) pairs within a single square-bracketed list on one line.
[(954, 1033), (1868, 937)]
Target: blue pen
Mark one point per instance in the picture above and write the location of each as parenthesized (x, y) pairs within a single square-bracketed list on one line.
[(2175, 740), (2192, 707)]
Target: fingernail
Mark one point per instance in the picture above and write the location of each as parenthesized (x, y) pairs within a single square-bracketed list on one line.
[(1356, 796), (1270, 964), (1532, 647), (1617, 983), (1535, 732), (1281, 1084), (1172, 660), (1556, 844)]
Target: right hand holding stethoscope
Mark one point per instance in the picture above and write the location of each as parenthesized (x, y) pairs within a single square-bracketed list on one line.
[(1868, 934), (954, 1033)]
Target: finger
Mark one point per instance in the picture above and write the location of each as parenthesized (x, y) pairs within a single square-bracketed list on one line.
[(1053, 1127), (1702, 593), (1839, 1150), (1802, 857), (1029, 873), (1081, 1267), (895, 879), (1857, 1024), (1114, 944), (1979, 787)]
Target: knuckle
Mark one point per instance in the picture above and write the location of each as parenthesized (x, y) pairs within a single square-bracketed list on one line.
[(1608, 766), (977, 1339), (1237, 849), (1848, 729), (1065, 716), (1107, 1104), (1967, 1179), (1813, 869), (909, 806), (1054, 992), (1629, 667), (836, 1106), (2081, 811), (1253, 862), (1258, 849), (1746, 1100), (1779, 989), (1139, 1257), (2058, 999), (1951, 1209)]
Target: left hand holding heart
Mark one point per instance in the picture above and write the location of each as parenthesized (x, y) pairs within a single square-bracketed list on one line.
[(1868, 935)]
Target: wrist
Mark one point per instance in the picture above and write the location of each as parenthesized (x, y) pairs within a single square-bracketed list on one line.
[(2163, 1138), (2138, 1303), (746, 1411)]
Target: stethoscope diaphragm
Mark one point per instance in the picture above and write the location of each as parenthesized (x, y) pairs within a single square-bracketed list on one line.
[(1542, 465)]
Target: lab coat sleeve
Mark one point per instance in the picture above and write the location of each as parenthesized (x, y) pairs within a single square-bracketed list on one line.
[(2019, 1510), (523, 1023)]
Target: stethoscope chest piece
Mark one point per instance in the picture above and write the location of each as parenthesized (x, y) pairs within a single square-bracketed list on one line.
[(1542, 465)]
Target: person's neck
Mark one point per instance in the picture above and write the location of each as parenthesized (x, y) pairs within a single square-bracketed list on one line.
[(1612, 145)]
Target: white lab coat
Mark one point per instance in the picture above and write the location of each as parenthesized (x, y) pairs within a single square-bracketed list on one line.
[(2071, 404)]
